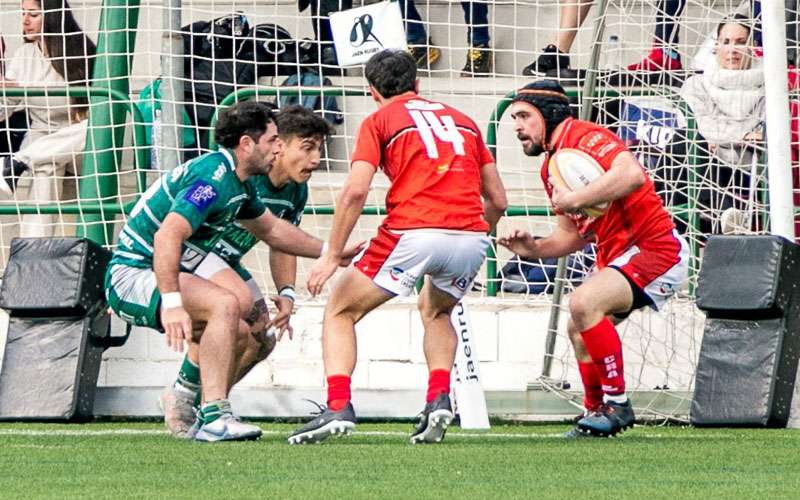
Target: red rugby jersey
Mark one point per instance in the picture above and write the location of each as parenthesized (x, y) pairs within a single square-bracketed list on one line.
[(638, 216), (432, 153)]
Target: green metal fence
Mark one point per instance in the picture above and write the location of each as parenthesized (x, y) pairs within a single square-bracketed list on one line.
[(141, 156)]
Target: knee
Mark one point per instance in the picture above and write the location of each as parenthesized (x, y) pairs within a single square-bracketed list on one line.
[(227, 305), (336, 311), (582, 310), (245, 303)]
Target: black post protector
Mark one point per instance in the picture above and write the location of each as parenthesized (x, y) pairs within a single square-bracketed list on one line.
[(58, 328), (748, 288)]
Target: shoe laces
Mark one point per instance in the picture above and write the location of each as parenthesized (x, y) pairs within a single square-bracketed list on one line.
[(475, 54), (320, 408)]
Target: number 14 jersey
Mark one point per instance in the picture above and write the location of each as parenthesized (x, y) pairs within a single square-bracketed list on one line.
[(432, 154)]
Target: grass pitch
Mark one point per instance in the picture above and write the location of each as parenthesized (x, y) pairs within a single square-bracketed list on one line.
[(123, 460)]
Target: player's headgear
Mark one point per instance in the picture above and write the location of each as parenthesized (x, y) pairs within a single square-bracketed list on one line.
[(550, 99)]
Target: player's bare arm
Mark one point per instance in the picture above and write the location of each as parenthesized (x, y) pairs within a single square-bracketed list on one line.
[(624, 177), (167, 243), (564, 241), (283, 268), (495, 202), (349, 205)]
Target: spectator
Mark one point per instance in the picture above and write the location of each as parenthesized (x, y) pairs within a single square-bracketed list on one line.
[(664, 54), (555, 57), (727, 102), (55, 53), (480, 60)]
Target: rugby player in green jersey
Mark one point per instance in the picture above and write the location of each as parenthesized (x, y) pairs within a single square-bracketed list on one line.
[(284, 192), (177, 221)]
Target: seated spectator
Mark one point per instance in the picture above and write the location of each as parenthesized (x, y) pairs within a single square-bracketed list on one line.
[(55, 53), (727, 102), (12, 128)]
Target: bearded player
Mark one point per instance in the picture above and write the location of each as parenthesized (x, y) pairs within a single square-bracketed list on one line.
[(445, 195), (641, 259), (284, 191)]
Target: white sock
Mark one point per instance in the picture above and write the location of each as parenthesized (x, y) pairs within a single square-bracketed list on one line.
[(619, 398)]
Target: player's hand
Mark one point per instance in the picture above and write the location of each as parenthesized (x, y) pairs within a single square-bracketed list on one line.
[(519, 242), (280, 321), (320, 273), (177, 327), (564, 200), (351, 251)]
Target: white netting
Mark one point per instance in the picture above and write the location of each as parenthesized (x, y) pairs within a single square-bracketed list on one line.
[(728, 195)]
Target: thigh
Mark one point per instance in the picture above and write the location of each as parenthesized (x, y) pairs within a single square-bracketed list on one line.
[(606, 291), (354, 295), (216, 270)]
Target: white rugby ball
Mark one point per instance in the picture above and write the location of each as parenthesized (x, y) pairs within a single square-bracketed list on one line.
[(575, 170)]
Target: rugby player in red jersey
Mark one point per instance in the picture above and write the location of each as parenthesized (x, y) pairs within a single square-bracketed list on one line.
[(445, 195), (641, 259)]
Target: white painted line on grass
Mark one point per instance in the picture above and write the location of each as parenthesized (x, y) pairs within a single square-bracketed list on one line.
[(267, 432)]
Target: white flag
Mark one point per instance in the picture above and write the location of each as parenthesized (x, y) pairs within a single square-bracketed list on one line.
[(362, 32)]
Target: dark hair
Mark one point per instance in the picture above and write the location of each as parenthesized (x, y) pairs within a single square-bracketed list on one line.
[(550, 99), (297, 121), (391, 72), (739, 19), (249, 118), (70, 51)]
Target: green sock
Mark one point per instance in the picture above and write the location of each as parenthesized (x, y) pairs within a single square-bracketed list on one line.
[(213, 410), (189, 377)]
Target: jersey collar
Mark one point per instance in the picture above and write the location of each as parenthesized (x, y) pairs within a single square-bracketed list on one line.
[(230, 157), (561, 136)]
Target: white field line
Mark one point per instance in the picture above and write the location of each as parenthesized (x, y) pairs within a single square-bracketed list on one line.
[(452, 435)]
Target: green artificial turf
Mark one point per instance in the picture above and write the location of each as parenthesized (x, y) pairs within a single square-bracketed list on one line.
[(123, 460)]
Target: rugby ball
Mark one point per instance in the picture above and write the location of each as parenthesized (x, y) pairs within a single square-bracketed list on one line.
[(575, 170)]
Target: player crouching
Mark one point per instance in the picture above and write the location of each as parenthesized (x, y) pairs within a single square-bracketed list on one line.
[(284, 191), (641, 259)]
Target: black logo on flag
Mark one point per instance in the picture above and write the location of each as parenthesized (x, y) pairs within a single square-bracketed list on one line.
[(361, 32)]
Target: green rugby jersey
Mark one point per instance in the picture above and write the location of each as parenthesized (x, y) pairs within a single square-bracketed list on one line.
[(286, 203), (206, 192)]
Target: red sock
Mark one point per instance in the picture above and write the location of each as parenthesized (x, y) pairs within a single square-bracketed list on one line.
[(338, 391), (603, 345), (438, 383), (592, 392)]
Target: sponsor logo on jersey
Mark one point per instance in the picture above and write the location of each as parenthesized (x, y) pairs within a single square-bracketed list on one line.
[(201, 195), (460, 283), (406, 279), (396, 273), (219, 172)]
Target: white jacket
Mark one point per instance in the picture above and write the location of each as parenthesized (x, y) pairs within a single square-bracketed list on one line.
[(28, 67), (727, 104)]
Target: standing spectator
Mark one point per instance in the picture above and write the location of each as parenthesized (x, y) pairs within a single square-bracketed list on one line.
[(664, 54), (55, 53), (480, 60)]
